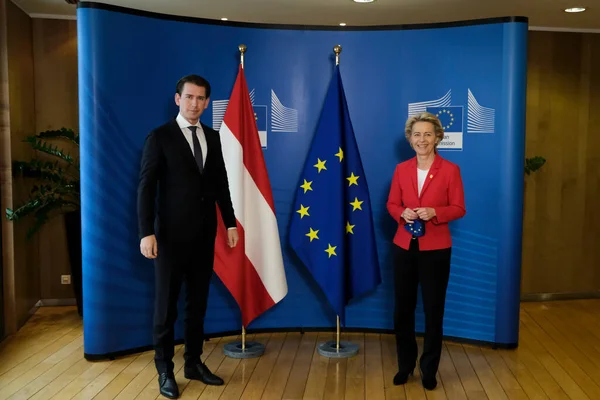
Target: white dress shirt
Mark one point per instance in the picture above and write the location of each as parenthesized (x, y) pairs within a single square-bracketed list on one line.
[(422, 175), (187, 133)]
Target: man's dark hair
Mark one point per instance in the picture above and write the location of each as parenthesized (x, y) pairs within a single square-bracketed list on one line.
[(194, 79)]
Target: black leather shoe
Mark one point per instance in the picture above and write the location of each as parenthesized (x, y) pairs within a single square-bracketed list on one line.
[(200, 372), (429, 382), (168, 385), (402, 377)]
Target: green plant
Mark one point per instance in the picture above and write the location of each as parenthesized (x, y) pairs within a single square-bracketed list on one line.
[(57, 186), (532, 164)]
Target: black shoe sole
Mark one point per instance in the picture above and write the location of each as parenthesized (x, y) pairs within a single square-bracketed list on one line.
[(195, 378), (169, 397), (428, 383), (403, 379)]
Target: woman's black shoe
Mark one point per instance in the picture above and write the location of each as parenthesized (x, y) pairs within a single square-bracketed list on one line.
[(401, 377), (429, 382)]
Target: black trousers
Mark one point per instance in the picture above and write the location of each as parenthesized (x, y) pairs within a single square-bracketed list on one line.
[(191, 264), (430, 269)]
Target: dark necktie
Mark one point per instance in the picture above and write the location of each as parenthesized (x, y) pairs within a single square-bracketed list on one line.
[(197, 148)]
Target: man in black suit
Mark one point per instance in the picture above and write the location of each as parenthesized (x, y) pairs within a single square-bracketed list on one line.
[(182, 163)]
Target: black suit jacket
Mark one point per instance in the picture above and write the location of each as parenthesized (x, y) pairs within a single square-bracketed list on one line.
[(185, 207)]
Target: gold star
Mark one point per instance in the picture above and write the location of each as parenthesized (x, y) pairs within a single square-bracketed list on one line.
[(303, 211), (340, 154), (312, 234), (306, 186), (331, 250), (320, 164), (352, 180), (349, 228), (356, 204)]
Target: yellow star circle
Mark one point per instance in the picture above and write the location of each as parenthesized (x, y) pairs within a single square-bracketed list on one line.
[(303, 211), (331, 250), (320, 165), (306, 186), (356, 204), (353, 179), (349, 228), (312, 234)]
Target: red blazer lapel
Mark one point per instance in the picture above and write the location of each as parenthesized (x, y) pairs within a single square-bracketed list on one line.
[(437, 162), (413, 176)]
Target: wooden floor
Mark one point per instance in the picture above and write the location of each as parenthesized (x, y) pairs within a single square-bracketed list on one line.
[(558, 358)]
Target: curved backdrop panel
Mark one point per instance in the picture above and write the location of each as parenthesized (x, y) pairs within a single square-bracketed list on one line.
[(129, 63)]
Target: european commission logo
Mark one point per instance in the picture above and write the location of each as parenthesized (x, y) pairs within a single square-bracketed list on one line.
[(480, 119), (283, 119)]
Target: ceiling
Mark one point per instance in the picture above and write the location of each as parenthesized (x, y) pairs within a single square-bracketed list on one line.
[(541, 13)]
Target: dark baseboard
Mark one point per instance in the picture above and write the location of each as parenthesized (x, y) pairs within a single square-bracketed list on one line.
[(122, 353), (56, 302), (559, 296)]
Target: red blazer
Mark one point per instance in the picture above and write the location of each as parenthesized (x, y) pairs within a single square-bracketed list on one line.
[(442, 190)]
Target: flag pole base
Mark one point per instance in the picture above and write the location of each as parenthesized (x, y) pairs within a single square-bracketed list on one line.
[(251, 350), (346, 350)]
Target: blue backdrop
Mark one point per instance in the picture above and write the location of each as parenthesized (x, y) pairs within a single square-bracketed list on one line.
[(472, 73)]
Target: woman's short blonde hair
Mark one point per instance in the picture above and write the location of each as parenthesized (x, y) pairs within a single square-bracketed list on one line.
[(425, 117)]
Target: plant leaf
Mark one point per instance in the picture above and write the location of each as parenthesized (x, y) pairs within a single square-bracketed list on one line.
[(45, 147), (57, 182), (62, 133)]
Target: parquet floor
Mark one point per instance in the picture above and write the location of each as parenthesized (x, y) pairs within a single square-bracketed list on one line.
[(558, 358)]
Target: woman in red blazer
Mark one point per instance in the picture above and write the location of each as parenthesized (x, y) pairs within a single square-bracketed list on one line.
[(427, 190)]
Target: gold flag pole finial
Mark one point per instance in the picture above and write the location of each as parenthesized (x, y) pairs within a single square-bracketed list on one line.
[(337, 49), (242, 49)]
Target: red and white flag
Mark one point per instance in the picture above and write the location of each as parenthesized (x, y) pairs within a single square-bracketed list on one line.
[(253, 271)]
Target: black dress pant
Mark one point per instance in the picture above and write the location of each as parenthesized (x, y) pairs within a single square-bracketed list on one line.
[(191, 264), (430, 269)]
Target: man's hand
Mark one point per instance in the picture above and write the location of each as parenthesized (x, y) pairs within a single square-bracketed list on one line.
[(149, 247), (232, 237), (425, 213)]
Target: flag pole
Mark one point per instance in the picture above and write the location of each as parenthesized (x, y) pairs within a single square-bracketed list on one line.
[(242, 48), (337, 344), (330, 348), (337, 49), (251, 349)]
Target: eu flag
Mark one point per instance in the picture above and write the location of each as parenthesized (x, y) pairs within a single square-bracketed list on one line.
[(332, 226)]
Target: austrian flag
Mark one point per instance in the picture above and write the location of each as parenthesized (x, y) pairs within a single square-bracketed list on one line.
[(253, 271)]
